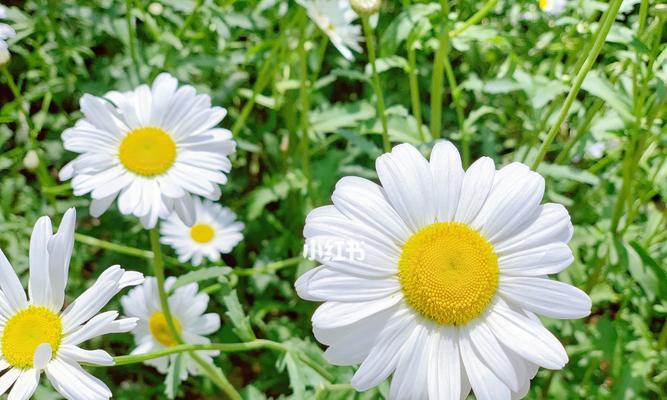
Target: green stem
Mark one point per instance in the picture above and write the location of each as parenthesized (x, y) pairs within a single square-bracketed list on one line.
[(478, 16), (438, 73), (304, 96), (132, 39), (181, 31), (414, 90), (158, 266), (458, 106), (609, 17), (370, 44), (268, 268)]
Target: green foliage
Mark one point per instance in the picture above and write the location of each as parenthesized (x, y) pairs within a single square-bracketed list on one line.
[(513, 71)]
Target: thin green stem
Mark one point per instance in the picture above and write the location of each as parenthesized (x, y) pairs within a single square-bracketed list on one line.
[(414, 90), (179, 35), (609, 17), (458, 106), (268, 268), (438, 73), (132, 39), (370, 44), (118, 248), (304, 96), (476, 18), (158, 266)]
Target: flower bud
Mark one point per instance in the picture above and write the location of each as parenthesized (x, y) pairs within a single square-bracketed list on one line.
[(31, 160), (155, 8), (4, 56), (365, 8)]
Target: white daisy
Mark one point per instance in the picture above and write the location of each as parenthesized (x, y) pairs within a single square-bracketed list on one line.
[(152, 332), (335, 18), (151, 148), (553, 7), (454, 269), (37, 336), (6, 31), (215, 231)]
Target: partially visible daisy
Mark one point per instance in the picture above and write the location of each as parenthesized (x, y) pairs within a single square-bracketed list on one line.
[(335, 18), (452, 269), (152, 332), (6, 31), (152, 148), (37, 336), (553, 7), (215, 231)]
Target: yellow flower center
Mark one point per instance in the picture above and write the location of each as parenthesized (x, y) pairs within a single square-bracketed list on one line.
[(160, 329), (448, 272), (202, 233), (148, 151), (544, 4), (26, 330)]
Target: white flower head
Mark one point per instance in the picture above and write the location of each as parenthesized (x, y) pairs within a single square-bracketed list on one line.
[(6, 31), (454, 273), (151, 148), (553, 7), (366, 7), (38, 336), (335, 18), (152, 332), (215, 231)]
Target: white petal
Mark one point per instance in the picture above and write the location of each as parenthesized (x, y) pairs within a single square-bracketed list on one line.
[(43, 355), (8, 379), (39, 286), (11, 286), (476, 186), (328, 285), (552, 225), (97, 357), (410, 377), (184, 208), (25, 385), (545, 296), (491, 353), (408, 184), (444, 370), (60, 252), (484, 383), (332, 314), (71, 381), (515, 331), (448, 175), (543, 260)]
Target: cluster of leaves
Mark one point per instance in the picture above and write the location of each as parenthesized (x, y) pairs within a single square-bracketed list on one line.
[(513, 71)]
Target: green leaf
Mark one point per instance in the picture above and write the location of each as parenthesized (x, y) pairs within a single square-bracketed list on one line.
[(401, 26), (567, 172), (236, 314), (599, 86)]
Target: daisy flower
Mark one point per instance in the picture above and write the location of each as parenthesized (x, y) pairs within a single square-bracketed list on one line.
[(6, 31), (37, 336), (335, 18), (453, 271), (553, 7), (151, 148), (152, 332), (215, 231)]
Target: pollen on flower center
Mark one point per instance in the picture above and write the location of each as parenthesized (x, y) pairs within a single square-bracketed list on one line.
[(28, 329), (157, 323), (202, 233), (544, 4), (448, 272), (147, 151)]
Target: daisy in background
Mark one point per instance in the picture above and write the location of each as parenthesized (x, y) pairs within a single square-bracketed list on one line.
[(6, 32), (152, 332), (151, 148), (37, 336), (553, 7), (453, 273), (215, 231), (335, 18)]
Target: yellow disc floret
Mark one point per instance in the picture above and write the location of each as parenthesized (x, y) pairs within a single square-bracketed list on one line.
[(544, 4), (160, 330), (28, 329), (148, 151), (448, 272), (202, 233)]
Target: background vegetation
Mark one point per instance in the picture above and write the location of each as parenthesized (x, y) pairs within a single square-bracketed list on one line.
[(504, 82)]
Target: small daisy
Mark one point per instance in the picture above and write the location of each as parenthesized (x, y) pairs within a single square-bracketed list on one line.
[(151, 148), (37, 336), (6, 31), (152, 332), (215, 231), (452, 273), (335, 18), (553, 7)]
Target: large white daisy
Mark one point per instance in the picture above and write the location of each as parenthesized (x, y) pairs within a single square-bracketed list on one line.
[(452, 273), (152, 332), (335, 18), (37, 336), (215, 231), (151, 148), (6, 31)]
